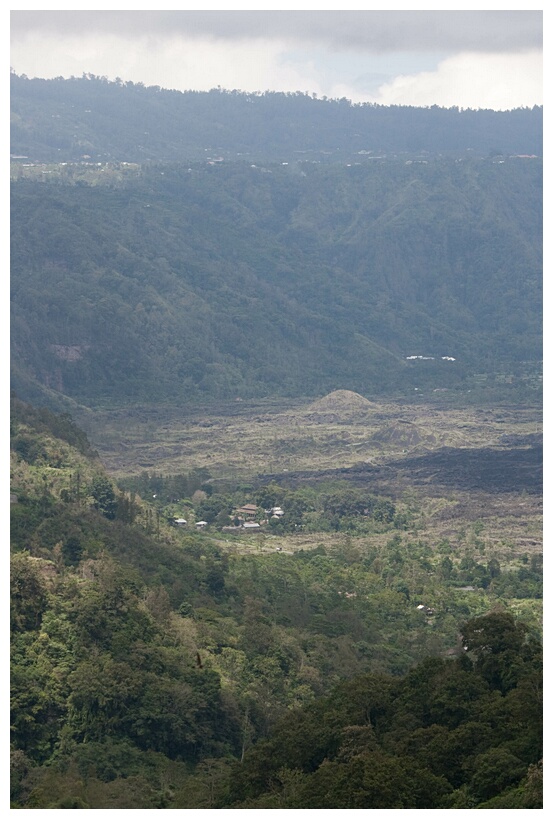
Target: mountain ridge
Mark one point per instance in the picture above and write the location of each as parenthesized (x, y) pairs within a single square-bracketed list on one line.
[(95, 119)]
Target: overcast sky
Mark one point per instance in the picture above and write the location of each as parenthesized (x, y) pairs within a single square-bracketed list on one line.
[(474, 59)]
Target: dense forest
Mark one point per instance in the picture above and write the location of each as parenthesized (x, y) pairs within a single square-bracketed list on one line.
[(89, 117), (153, 668), (186, 283)]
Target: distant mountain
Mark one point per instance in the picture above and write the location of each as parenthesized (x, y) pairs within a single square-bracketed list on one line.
[(92, 119), (201, 281)]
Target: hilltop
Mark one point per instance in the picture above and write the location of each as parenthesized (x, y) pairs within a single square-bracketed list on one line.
[(342, 400), (91, 119)]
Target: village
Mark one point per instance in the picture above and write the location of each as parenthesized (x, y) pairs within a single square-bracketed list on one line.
[(247, 518)]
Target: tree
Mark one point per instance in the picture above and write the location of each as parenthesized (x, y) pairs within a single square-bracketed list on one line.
[(104, 497), (257, 636), (209, 508), (494, 633), (494, 567), (28, 594), (446, 567), (72, 550), (495, 770), (270, 495), (496, 641)]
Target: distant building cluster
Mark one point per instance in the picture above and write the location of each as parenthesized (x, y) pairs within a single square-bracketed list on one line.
[(428, 358), (247, 518)]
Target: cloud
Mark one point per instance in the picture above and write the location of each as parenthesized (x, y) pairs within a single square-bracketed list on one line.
[(374, 31), (470, 59), (498, 81), (185, 64)]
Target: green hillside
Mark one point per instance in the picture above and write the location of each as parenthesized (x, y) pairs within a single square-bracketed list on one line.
[(90, 118), (181, 283), (157, 667)]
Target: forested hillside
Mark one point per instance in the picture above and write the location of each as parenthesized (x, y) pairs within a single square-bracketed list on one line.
[(154, 667), (229, 280), (66, 120)]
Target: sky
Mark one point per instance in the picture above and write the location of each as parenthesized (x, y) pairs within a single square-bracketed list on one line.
[(470, 59)]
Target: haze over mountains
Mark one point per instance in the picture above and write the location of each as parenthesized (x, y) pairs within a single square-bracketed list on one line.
[(267, 245)]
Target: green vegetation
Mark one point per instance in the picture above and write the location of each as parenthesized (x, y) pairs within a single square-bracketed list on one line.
[(224, 282), (450, 734), (89, 118), (374, 640), (162, 668)]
